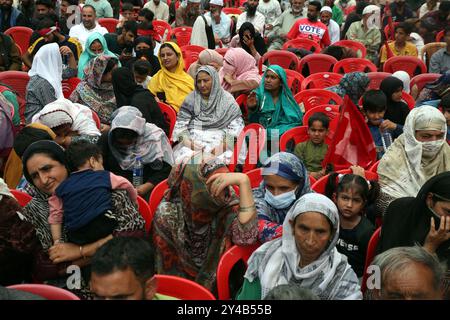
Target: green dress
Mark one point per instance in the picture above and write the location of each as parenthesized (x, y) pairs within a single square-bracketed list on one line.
[(311, 154)]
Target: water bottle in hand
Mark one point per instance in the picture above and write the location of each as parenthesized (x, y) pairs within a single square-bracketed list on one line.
[(386, 138), (138, 173)]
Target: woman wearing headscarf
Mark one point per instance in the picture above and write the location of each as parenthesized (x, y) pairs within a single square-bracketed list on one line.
[(272, 104), (352, 84), (207, 57), (129, 93), (69, 121), (171, 84), (285, 179), (209, 119), (96, 90), (200, 217), (309, 259), (433, 92), (405, 78), (95, 45), (7, 129), (239, 73), (143, 48), (45, 80), (249, 40), (396, 109), (131, 137), (417, 155)]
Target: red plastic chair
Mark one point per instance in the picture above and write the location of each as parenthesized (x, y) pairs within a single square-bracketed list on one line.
[(439, 36), (315, 97), (46, 291), (302, 43), (170, 115), (69, 85), (222, 51), (331, 110), (354, 65), (370, 255), (18, 80), (156, 196), (145, 212), (317, 62), (422, 79), (21, 197), (182, 288), (374, 168), (182, 35), (230, 10), (109, 23), (98, 124), (355, 45), (409, 100), (405, 63), (376, 78), (283, 58), (21, 36), (190, 54), (160, 26), (349, 10), (321, 80), (257, 141), (255, 177), (319, 186), (298, 134), (241, 100), (226, 263), (295, 80)]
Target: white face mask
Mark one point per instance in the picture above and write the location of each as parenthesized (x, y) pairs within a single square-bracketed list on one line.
[(431, 148), (280, 201)]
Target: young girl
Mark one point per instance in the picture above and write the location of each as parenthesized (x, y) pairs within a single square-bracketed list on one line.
[(352, 193)]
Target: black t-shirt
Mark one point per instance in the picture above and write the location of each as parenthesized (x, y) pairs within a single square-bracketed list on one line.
[(113, 44), (353, 243), (73, 44)]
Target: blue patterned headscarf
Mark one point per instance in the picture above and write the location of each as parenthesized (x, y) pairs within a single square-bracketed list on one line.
[(353, 84)]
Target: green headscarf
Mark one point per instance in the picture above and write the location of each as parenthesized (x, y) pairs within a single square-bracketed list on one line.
[(283, 115), (88, 55)]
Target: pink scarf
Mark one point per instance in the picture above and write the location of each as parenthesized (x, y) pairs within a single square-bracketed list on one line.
[(239, 64)]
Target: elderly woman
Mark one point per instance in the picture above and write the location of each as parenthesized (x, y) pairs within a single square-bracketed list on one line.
[(207, 57), (200, 218), (69, 121), (285, 179), (305, 255), (131, 137), (353, 84), (239, 73), (417, 155), (272, 104), (209, 119), (96, 90), (171, 84)]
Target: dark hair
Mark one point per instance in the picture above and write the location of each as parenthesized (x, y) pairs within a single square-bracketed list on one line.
[(445, 102), (122, 133), (47, 3), (405, 26), (315, 4), (81, 151), (147, 14), (168, 45), (355, 182), (126, 6), (27, 136), (110, 65), (142, 67), (45, 23), (130, 25), (334, 51), (89, 6), (444, 6), (374, 101), (321, 117), (121, 253)]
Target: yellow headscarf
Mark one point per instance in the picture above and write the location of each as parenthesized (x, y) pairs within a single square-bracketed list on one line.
[(176, 85), (13, 166)]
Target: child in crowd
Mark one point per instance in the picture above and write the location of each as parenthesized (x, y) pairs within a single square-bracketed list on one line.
[(142, 70), (400, 47), (127, 14), (374, 108), (445, 106), (352, 194), (84, 198), (313, 151)]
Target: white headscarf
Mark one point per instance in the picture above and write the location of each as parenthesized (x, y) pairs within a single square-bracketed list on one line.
[(404, 77), (47, 64), (4, 190), (277, 262), (405, 167)]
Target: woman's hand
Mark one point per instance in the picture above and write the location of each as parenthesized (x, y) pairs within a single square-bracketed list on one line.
[(249, 41), (219, 181), (359, 171), (193, 145), (228, 78), (63, 252), (65, 51), (436, 237)]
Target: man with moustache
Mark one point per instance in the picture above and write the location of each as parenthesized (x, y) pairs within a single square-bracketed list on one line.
[(10, 16), (186, 16), (253, 16)]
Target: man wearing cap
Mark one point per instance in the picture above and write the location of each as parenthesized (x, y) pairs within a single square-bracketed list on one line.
[(337, 14), (88, 25), (221, 23), (333, 28), (366, 33), (253, 16), (186, 16), (159, 8)]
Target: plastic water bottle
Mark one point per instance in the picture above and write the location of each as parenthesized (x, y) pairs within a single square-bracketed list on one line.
[(138, 172), (386, 138)]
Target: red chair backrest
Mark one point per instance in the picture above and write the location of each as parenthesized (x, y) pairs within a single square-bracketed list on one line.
[(295, 80), (354, 65), (156, 196), (230, 10), (255, 177), (242, 102), (182, 35), (405, 63), (160, 26), (331, 110), (18, 80), (315, 97), (226, 263), (222, 51), (109, 23), (68, 85), (302, 43), (182, 288), (376, 78), (355, 45), (317, 62), (439, 36), (370, 255), (145, 212), (170, 115), (46, 291), (21, 36), (387, 30), (374, 168), (21, 197), (98, 124), (255, 146), (422, 79), (409, 100), (321, 80), (283, 58), (298, 134), (190, 54), (319, 186)]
